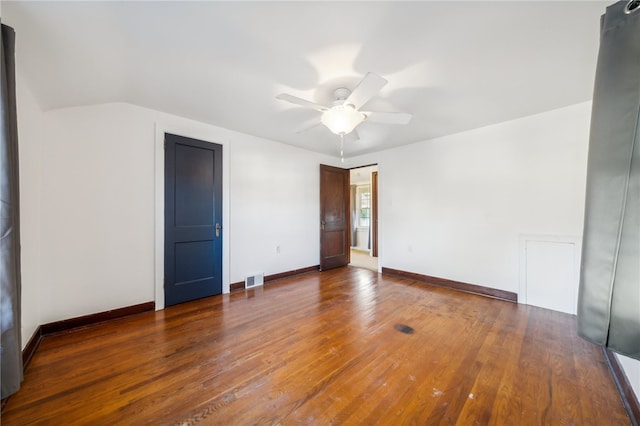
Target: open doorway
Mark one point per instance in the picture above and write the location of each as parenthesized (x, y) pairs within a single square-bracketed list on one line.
[(363, 217)]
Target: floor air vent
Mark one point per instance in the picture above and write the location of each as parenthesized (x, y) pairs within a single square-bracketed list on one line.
[(403, 328), (253, 280)]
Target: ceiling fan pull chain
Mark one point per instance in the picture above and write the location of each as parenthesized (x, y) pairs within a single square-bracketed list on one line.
[(342, 147)]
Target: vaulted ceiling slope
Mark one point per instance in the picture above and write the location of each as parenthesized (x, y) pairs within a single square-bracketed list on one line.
[(454, 65)]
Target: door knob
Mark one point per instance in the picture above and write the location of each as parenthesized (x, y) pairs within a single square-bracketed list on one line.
[(218, 228)]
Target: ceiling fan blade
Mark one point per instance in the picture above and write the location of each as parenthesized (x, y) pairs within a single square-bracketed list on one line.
[(366, 89), (388, 117), (311, 124), (351, 137), (301, 102)]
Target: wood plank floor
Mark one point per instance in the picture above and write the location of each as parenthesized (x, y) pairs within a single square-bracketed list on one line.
[(322, 349)]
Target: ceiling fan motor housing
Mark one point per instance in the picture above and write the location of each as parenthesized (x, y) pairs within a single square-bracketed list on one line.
[(341, 94)]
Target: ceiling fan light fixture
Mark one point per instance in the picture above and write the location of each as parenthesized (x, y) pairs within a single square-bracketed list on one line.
[(342, 119)]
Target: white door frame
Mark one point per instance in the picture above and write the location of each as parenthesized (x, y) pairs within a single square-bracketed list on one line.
[(205, 133)]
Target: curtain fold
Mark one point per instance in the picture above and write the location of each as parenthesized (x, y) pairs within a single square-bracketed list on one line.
[(10, 224), (609, 298)]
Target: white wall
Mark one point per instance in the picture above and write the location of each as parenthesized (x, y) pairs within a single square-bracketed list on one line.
[(97, 211), (275, 205), (631, 368), (89, 207), (31, 135), (454, 207)]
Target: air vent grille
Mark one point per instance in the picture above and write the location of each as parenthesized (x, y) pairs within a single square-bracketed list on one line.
[(253, 280)]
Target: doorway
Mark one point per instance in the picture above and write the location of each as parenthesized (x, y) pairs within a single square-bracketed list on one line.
[(363, 207)]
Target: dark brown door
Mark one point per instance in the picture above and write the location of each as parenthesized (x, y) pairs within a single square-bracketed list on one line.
[(374, 214), (334, 217)]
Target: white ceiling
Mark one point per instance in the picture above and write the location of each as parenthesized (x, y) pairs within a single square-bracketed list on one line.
[(362, 175), (454, 65)]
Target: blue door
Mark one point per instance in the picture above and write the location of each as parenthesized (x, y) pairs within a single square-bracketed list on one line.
[(193, 219)]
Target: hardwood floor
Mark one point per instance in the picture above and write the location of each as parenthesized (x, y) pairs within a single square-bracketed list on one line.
[(322, 349)]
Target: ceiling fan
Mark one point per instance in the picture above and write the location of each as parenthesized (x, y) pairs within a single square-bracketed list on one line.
[(344, 115)]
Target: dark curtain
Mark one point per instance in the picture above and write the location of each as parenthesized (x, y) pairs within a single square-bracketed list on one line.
[(10, 223), (609, 301)]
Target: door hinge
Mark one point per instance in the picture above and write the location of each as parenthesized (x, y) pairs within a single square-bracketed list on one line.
[(164, 144)]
